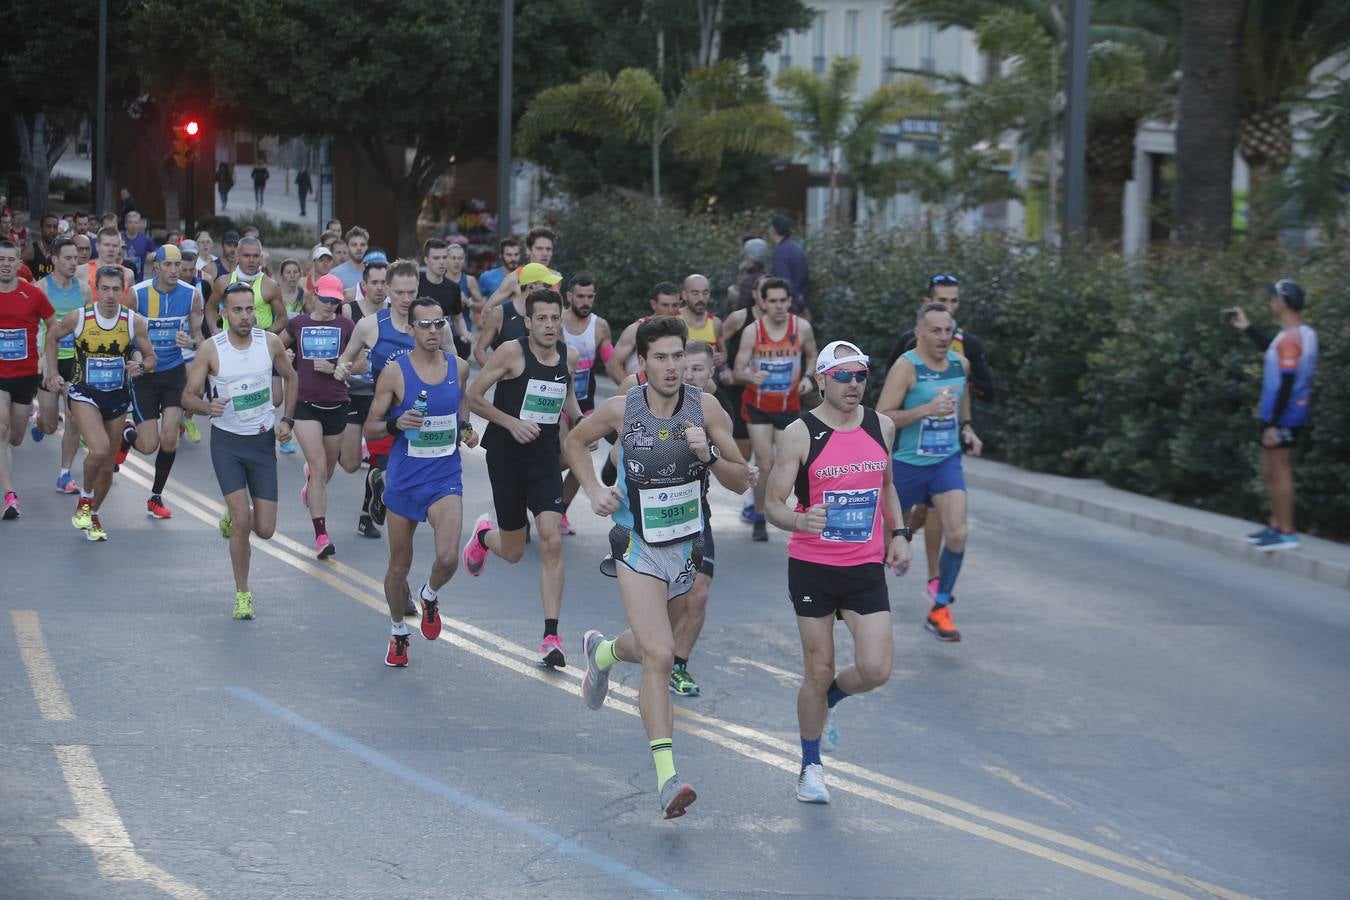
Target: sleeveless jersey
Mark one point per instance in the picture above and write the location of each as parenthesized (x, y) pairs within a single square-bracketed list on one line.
[(262, 310), (165, 316), (663, 479), (63, 301), (94, 265), (782, 360), (513, 326), (581, 379), (1293, 350), (847, 470), (362, 385), (931, 439), (245, 379), (101, 351), (43, 263), (431, 459), (706, 332), (390, 343), (296, 305), (535, 395)]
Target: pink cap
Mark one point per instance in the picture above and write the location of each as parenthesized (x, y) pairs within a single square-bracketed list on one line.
[(329, 286)]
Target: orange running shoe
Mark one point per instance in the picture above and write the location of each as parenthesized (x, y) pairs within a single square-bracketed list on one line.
[(939, 622)]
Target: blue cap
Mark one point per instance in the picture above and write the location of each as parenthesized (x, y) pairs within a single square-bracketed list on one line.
[(374, 256)]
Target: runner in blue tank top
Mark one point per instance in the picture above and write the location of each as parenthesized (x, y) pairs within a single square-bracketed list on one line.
[(925, 396), (424, 465)]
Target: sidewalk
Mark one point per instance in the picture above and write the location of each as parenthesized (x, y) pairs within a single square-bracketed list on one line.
[(1321, 560)]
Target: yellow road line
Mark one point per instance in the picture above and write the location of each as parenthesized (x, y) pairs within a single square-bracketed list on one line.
[(52, 700), (328, 572)]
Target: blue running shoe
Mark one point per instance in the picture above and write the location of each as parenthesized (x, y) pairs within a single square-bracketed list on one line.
[(1277, 540), (1256, 536), (65, 484)]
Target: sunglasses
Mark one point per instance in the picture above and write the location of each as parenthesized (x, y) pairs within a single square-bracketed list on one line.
[(332, 300), (428, 324), (944, 280), (845, 376), (239, 288)]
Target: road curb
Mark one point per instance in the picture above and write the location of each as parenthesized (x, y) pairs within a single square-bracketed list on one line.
[(1319, 560)]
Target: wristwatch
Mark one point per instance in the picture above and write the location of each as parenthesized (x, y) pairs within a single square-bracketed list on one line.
[(290, 423), (904, 533), (713, 454)]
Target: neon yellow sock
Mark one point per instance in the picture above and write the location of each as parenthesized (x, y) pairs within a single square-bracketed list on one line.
[(664, 757), (604, 655)]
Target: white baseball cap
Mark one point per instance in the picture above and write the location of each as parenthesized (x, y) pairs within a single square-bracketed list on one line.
[(837, 353), (321, 251)]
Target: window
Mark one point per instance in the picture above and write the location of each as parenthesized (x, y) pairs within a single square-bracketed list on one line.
[(928, 48), (890, 58), (851, 32), (785, 53), (818, 44)]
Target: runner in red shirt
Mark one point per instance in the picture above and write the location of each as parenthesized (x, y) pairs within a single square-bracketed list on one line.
[(22, 308)]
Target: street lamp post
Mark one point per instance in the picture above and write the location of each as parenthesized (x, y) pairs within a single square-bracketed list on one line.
[(101, 111), (504, 122), (1075, 142)]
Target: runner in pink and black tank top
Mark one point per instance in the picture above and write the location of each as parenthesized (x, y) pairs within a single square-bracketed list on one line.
[(846, 527)]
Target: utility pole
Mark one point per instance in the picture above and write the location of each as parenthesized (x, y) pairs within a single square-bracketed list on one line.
[(504, 121), (1075, 138), (101, 113)]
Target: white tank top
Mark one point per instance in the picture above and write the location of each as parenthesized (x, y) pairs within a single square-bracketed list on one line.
[(245, 379), (584, 342)]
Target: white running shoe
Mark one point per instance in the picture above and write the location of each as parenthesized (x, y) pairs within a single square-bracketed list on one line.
[(811, 784)]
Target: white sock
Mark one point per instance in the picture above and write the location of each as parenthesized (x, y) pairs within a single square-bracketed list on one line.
[(399, 628), (64, 473), (427, 592)]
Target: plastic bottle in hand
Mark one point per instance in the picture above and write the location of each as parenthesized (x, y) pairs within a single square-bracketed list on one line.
[(419, 407)]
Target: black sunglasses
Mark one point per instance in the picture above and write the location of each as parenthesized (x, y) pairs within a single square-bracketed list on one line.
[(845, 376)]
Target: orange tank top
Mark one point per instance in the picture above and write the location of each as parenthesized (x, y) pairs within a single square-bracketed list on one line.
[(781, 360)]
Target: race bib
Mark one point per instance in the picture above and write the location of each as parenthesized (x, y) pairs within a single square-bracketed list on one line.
[(543, 401), (937, 436), (162, 331), (105, 373), (850, 516), (671, 513), (251, 399), (14, 344), (779, 375), (581, 380), (320, 341), (437, 438)]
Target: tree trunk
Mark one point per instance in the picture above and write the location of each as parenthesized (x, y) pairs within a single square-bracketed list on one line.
[(710, 14), (1211, 85), (41, 143), (832, 205), (1110, 163), (656, 170), (407, 206), (1266, 142)]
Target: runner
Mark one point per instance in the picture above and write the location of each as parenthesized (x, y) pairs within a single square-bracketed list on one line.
[(65, 292), (835, 459), (505, 322), (539, 248), (417, 402), (172, 310), (623, 362), (41, 253), (773, 354), (349, 270), (672, 435), (361, 385), (320, 262), (190, 271), (590, 336), (106, 336), (923, 393), (109, 247), (732, 392), (703, 325), (238, 363), (23, 308), (533, 378), (292, 294), (445, 291), (508, 260), (323, 401), (470, 296)]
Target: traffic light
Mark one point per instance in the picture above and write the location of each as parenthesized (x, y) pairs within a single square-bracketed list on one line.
[(186, 137)]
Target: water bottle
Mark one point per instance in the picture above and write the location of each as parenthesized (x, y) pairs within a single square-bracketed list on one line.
[(420, 407)]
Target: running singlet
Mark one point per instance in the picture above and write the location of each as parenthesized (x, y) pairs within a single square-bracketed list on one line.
[(663, 479), (102, 347), (1293, 350), (262, 310), (535, 395), (63, 300), (362, 385), (319, 339), (445, 292), (847, 471), (245, 380), (94, 265), (513, 325), (165, 316), (390, 343), (431, 459), (931, 439), (782, 361), (581, 379), (20, 312), (706, 332), (297, 306)]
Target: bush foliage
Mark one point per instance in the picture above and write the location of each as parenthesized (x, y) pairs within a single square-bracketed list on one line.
[(1107, 368)]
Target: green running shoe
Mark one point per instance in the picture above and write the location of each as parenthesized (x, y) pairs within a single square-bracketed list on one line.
[(681, 685), (243, 604)]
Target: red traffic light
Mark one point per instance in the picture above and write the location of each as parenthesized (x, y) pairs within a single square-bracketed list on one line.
[(190, 127)]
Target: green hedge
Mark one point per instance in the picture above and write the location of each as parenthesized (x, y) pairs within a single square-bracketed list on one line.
[(1106, 368)]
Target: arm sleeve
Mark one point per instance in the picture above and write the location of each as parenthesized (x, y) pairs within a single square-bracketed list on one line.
[(1259, 337)]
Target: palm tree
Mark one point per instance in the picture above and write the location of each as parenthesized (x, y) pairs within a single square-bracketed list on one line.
[(719, 109), (840, 128)]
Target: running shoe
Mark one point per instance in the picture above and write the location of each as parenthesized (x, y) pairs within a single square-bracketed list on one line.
[(287, 446), (431, 618), (243, 604), (83, 512), (475, 554), (226, 525), (681, 684), (939, 622), (1257, 536), (761, 532), (1277, 540), (323, 546), (932, 588), (190, 429), (123, 450), (811, 784), (566, 527), (304, 489), (397, 657), (377, 507), (595, 683), (37, 433), (551, 652), (829, 736), (12, 506), (95, 531), (155, 508), (65, 484), (748, 513), (367, 529), (676, 797)]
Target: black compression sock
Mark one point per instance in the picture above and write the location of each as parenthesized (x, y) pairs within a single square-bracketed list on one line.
[(163, 463), (365, 504), (128, 437), (681, 662), (550, 627)]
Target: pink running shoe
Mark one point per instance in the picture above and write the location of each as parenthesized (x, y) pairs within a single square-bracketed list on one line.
[(567, 526), (324, 546), (304, 488), (551, 652), (474, 554)]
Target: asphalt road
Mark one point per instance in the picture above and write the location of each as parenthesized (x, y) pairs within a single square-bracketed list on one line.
[(1126, 716)]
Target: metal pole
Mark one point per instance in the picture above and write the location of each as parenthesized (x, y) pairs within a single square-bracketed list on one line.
[(504, 121), (190, 226), (1075, 142), (101, 110)]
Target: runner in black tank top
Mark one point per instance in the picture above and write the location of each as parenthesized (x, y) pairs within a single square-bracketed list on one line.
[(513, 326)]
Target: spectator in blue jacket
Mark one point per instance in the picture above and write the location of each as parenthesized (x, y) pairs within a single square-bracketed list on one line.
[(789, 262)]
